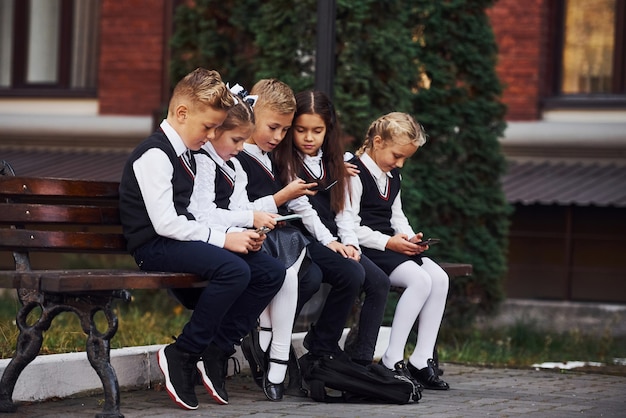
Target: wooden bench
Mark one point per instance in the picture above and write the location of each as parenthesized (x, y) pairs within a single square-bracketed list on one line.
[(68, 216), (74, 216), (312, 309)]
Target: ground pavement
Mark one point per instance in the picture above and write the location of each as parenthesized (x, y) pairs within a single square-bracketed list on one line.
[(475, 392)]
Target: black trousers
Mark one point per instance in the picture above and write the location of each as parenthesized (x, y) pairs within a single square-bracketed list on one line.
[(345, 277), (240, 287)]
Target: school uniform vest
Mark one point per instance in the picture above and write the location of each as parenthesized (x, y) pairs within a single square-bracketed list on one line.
[(261, 181), (137, 227), (375, 211), (321, 200), (224, 183)]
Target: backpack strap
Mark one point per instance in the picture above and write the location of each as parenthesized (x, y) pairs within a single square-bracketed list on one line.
[(317, 391), (294, 371)]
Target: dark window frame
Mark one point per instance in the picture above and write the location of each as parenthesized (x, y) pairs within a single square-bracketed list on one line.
[(552, 97), (19, 87)]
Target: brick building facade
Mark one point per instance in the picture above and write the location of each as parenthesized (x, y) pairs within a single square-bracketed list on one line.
[(132, 62)]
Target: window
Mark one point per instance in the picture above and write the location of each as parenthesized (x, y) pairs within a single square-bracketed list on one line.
[(588, 42), (48, 47)]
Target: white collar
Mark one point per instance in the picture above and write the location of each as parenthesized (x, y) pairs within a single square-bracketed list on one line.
[(254, 150), (179, 146), (373, 168), (208, 147), (313, 160), (258, 153)]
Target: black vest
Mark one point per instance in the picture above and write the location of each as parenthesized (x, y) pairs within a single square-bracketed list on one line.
[(261, 181), (375, 211), (137, 227), (321, 200)]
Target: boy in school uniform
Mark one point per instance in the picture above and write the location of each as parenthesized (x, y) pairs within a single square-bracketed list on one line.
[(274, 112), (163, 235)]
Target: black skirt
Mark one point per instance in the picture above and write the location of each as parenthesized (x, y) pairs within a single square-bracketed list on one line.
[(285, 243), (388, 260)]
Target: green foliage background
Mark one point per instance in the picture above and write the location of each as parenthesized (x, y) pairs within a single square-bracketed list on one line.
[(435, 60)]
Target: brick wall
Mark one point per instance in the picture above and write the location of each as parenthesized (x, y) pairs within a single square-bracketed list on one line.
[(132, 48), (520, 30), (131, 56)]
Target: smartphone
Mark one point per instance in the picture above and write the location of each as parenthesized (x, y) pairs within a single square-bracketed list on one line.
[(318, 187), (262, 230), (288, 218), (429, 241)]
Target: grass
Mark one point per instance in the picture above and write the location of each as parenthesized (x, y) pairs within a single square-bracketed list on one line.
[(523, 345), (153, 318)]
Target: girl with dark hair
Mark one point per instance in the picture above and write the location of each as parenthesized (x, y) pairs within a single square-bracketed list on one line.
[(313, 151)]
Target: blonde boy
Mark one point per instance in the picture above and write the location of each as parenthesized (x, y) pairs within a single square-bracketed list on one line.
[(162, 235)]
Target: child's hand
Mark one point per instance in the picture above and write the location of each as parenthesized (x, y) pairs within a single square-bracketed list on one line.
[(353, 253), (243, 242), (293, 190), (264, 219), (339, 248), (351, 169), (417, 237), (400, 243), (299, 187)]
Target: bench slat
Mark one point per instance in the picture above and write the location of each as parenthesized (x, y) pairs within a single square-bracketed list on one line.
[(13, 213), (59, 281), (36, 240), (457, 269), (21, 186)]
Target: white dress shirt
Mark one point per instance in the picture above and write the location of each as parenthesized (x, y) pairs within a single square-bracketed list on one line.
[(154, 172), (345, 218), (300, 205), (202, 204)]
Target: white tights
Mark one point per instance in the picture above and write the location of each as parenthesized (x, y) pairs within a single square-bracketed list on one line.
[(279, 315), (425, 293)]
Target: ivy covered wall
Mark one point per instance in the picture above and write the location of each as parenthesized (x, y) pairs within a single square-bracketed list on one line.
[(435, 60)]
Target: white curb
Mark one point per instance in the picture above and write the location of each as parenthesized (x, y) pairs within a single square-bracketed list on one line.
[(64, 375)]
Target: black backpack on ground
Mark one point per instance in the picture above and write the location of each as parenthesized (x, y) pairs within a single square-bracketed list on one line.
[(373, 383)]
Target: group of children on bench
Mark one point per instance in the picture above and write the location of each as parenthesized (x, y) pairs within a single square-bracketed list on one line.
[(202, 195)]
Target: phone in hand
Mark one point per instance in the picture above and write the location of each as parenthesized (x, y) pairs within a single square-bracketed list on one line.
[(262, 230), (429, 241), (288, 217), (318, 187)]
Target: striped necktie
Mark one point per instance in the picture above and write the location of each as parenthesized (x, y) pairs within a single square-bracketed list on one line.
[(190, 161)]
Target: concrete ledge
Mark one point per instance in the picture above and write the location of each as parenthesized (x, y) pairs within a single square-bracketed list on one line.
[(65, 375), (85, 131), (572, 139), (75, 126), (586, 135), (136, 367)]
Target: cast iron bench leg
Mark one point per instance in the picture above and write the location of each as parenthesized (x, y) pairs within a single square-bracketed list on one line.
[(29, 343), (98, 346), (98, 349)]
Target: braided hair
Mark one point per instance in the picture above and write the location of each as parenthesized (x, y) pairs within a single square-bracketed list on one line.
[(394, 126)]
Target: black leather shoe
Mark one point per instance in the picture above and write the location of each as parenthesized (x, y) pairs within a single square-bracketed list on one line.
[(274, 391), (428, 376)]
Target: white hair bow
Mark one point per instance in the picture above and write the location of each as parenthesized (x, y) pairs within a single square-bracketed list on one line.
[(238, 91)]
